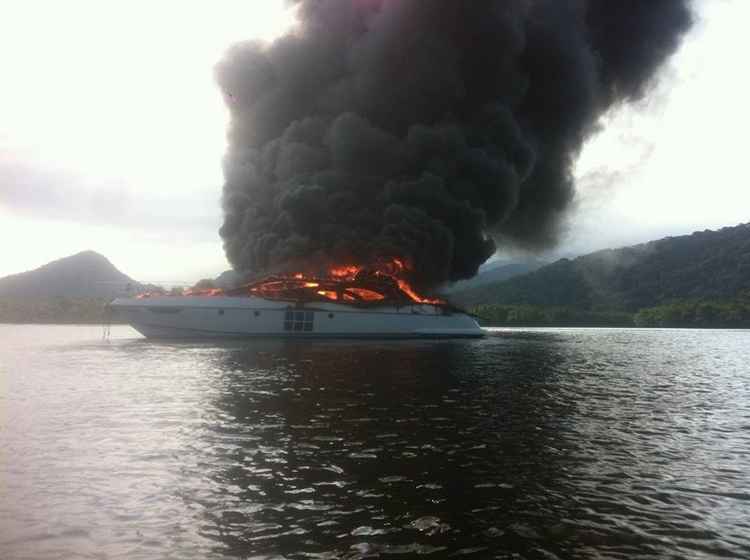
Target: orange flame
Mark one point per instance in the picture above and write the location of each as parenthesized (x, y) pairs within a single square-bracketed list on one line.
[(344, 271), (380, 282), (206, 292)]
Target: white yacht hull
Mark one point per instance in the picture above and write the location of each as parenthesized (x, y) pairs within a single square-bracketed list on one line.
[(220, 316)]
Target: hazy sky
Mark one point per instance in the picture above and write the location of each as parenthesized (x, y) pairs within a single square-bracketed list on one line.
[(112, 134)]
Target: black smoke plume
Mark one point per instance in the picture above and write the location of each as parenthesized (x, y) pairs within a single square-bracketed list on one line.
[(424, 129)]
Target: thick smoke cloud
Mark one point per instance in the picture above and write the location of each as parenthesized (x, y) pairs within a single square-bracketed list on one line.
[(424, 129)]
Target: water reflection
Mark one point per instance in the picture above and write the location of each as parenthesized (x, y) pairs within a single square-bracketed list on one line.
[(351, 448), (549, 444)]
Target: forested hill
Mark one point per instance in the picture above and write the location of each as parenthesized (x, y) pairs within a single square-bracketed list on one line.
[(707, 265), (83, 275)]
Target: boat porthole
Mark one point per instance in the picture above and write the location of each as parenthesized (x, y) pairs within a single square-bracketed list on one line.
[(256, 313), (330, 315), (221, 312)]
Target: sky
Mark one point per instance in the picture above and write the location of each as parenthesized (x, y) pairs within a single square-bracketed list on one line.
[(112, 132)]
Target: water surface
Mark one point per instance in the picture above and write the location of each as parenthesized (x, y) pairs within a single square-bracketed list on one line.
[(543, 443)]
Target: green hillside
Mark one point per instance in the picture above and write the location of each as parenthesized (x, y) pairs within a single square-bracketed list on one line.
[(711, 268)]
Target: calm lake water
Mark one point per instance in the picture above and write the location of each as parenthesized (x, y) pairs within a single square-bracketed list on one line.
[(537, 443)]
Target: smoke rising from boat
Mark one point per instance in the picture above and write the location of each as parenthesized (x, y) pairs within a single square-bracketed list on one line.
[(427, 130)]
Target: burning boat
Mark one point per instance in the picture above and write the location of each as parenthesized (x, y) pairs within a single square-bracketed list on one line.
[(344, 301)]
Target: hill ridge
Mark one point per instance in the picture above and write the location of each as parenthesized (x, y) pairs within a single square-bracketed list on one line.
[(83, 274), (708, 264)]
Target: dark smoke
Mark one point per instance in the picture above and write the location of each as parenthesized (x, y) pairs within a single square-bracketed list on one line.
[(425, 129)]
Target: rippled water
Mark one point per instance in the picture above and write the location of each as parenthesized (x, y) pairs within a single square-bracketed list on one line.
[(539, 443)]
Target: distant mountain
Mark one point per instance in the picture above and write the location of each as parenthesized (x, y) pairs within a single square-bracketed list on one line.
[(494, 272), (83, 275), (710, 265)]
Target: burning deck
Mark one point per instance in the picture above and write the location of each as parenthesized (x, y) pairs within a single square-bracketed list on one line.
[(382, 283)]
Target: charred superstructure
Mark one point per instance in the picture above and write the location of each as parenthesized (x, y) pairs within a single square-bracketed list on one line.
[(381, 283)]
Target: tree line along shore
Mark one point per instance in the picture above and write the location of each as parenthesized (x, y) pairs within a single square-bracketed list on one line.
[(682, 314)]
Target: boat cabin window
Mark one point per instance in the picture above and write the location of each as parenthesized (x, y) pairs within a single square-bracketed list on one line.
[(298, 320)]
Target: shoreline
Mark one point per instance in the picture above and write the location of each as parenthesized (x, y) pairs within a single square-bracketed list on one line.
[(483, 325)]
